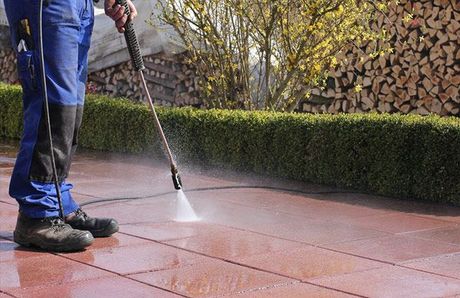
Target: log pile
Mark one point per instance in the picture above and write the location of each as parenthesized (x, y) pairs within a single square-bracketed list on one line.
[(9, 72), (171, 82), (421, 75)]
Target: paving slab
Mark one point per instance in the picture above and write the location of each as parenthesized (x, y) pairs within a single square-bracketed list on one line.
[(394, 249), (256, 237), (393, 281), (118, 287), (447, 265), (136, 258), (309, 262), (210, 279), (294, 290)]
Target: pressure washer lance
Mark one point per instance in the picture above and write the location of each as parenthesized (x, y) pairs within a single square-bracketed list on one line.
[(138, 64)]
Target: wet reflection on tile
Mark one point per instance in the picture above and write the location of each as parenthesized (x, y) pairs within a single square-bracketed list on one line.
[(210, 279), (170, 230), (232, 244), (309, 262), (43, 270), (136, 258), (113, 287)]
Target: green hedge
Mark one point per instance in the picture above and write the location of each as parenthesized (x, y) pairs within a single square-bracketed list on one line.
[(405, 156)]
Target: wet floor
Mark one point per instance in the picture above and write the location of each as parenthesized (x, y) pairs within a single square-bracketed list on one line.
[(250, 242)]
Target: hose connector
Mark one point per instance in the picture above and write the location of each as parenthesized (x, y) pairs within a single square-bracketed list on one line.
[(176, 178)]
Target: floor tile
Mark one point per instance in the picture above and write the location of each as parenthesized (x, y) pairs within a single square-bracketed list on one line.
[(393, 281), (325, 232), (448, 234), (232, 244), (128, 214), (309, 262), (136, 258), (8, 217), (116, 240), (210, 279), (115, 287), (169, 230), (398, 223), (10, 251), (395, 248), (45, 270), (448, 265), (294, 290)]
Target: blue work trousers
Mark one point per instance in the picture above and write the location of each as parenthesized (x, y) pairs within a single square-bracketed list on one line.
[(67, 29)]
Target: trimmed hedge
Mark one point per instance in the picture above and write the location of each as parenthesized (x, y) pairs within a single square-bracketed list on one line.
[(406, 156)]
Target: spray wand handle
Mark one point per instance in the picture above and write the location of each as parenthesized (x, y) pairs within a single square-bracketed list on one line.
[(131, 39)]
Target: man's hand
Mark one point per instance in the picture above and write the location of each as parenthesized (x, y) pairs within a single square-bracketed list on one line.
[(117, 13)]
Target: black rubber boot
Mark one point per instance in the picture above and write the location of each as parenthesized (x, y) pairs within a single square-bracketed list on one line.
[(99, 227), (50, 233)]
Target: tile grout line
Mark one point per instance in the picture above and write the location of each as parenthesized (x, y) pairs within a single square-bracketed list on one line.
[(117, 274), (235, 263), (426, 271), (311, 245), (355, 255), (6, 293)]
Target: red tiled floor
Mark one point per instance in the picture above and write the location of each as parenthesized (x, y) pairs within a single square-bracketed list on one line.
[(448, 234), (395, 248), (136, 258), (232, 244), (294, 290), (309, 262), (448, 265), (114, 287), (393, 281), (210, 279), (275, 231), (44, 270)]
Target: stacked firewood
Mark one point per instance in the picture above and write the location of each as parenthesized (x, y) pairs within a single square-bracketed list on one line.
[(9, 72), (171, 82), (420, 75)]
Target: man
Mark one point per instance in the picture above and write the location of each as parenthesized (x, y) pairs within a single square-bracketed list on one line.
[(67, 28)]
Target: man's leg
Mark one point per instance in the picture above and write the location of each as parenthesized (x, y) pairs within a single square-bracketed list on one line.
[(99, 227), (32, 179)]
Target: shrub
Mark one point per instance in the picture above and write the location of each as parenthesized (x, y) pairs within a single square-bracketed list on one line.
[(406, 156)]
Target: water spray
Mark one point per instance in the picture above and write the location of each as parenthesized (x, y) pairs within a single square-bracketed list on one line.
[(138, 64)]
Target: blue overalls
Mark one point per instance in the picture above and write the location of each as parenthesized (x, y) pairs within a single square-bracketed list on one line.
[(67, 28)]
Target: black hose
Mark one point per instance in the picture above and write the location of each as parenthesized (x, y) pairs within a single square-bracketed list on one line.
[(47, 111), (214, 188)]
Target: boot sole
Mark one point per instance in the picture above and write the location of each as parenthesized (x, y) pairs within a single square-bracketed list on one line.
[(58, 247)]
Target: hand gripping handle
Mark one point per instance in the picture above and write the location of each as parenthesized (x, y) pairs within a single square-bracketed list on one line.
[(131, 39)]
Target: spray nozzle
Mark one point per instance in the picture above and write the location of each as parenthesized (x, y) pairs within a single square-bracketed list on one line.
[(176, 178)]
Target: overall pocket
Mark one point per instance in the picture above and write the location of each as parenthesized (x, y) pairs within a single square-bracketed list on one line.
[(27, 71)]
